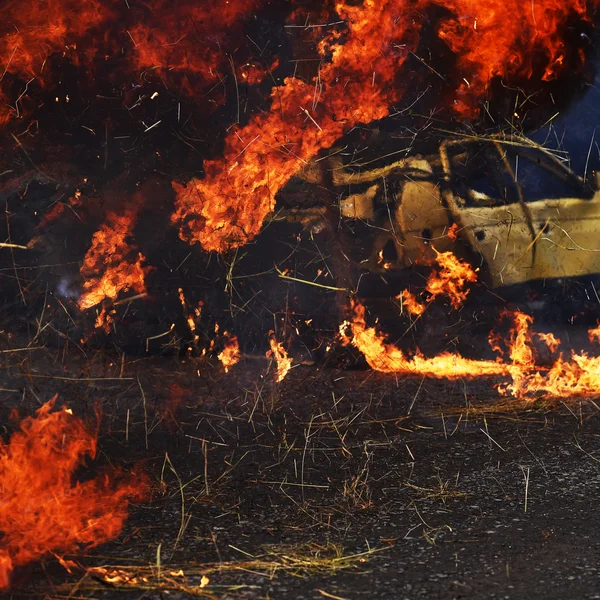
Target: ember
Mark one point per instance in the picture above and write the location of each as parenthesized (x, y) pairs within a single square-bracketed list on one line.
[(43, 508)]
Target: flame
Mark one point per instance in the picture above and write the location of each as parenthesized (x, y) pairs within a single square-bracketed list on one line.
[(230, 355), (594, 334), (411, 303), (503, 38), (227, 208), (191, 318), (30, 33), (453, 232), (574, 377), (168, 38), (104, 320), (551, 341), (186, 43), (357, 83), (279, 354), (577, 376), (386, 358), (43, 508), (118, 576), (450, 279), (111, 266)]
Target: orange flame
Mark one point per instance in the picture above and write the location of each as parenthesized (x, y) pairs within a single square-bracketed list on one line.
[(594, 334), (42, 507), (111, 266), (230, 355), (412, 303), (154, 35), (502, 37), (385, 357), (577, 376), (278, 353), (449, 280), (357, 85), (227, 208), (30, 33)]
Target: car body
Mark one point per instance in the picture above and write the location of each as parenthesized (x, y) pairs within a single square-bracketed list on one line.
[(509, 205)]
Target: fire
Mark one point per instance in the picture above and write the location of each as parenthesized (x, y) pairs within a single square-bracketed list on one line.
[(382, 356), (43, 508), (594, 334), (227, 208), (359, 80), (411, 303), (111, 266), (450, 279), (191, 318), (230, 355), (502, 38), (279, 354), (577, 376), (186, 43), (168, 39), (30, 33)]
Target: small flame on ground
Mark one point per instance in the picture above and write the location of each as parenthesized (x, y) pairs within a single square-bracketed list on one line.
[(279, 354), (230, 355), (577, 376), (385, 357), (191, 317), (42, 507)]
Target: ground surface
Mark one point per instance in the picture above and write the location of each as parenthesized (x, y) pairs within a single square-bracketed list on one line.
[(333, 484)]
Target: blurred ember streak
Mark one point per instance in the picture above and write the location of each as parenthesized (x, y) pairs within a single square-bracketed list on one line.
[(230, 355), (43, 508), (278, 353)]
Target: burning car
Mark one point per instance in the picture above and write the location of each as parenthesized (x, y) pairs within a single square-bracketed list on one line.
[(510, 206)]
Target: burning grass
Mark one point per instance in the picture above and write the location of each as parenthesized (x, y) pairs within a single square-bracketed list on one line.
[(210, 580), (43, 507)]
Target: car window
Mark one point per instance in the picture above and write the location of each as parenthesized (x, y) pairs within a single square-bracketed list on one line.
[(541, 179), (479, 175)]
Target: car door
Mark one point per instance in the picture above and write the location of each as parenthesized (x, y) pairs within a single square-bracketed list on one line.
[(484, 199)]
